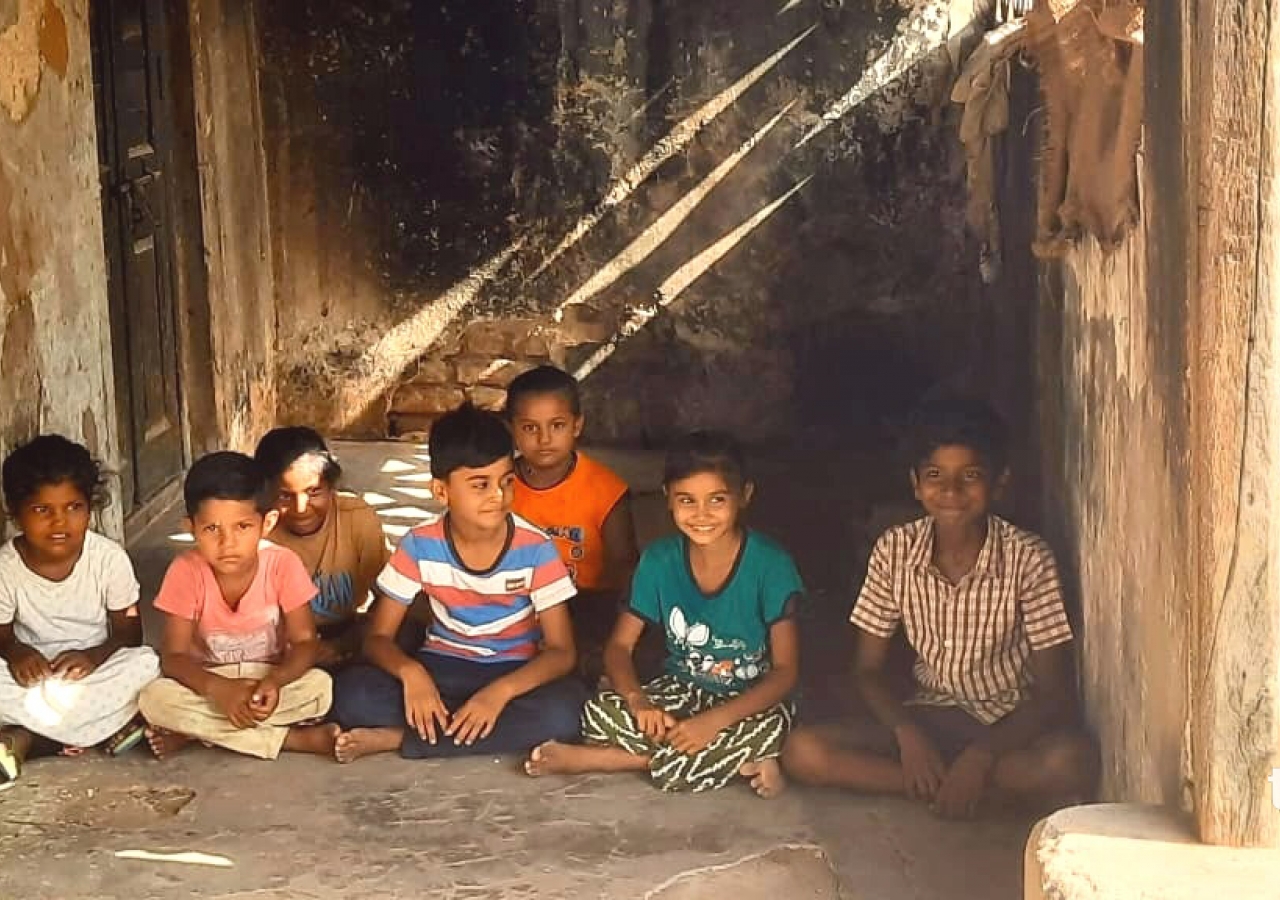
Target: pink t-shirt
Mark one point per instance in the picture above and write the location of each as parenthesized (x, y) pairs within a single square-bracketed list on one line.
[(254, 630)]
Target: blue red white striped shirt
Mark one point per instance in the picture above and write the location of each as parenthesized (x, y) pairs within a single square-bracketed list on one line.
[(489, 616)]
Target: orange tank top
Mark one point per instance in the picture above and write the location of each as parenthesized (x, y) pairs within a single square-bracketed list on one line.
[(573, 513)]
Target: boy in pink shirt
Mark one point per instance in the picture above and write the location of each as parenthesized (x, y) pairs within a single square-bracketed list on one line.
[(239, 640)]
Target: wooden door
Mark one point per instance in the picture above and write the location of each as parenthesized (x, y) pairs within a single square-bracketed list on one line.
[(130, 81)]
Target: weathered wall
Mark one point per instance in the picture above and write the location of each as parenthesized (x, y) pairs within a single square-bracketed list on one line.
[(55, 359), (1112, 349), (242, 314), (620, 169)]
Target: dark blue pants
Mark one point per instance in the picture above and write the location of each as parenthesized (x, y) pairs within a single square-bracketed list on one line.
[(367, 697)]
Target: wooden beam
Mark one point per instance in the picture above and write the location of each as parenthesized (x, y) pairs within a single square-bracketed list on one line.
[(1235, 418)]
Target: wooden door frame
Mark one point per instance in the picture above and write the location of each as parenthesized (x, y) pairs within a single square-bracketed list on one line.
[(184, 263)]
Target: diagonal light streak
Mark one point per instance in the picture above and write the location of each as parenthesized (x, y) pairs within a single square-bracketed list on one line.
[(679, 280), (665, 225), (915, 42), (674, 142), (789, 5)]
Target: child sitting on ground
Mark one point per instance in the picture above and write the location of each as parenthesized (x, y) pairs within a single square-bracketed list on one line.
[(981, 604), (337, 536), (580, 503), (725, 596), (239, 640), (69, 627), (490, 676)]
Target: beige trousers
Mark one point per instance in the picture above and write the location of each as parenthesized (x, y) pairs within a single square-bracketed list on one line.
[(173, 706)]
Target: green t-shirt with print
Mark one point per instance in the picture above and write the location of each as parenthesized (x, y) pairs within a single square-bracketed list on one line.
[(719, 641)]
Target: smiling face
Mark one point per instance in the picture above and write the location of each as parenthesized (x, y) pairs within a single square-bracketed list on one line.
[(705, 507), (545, 430), (227, 533), (955, 486), (479, 499), (304, 496), (53, 521)]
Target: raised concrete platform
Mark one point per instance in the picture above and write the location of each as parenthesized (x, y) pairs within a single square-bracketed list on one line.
[(1128, 852)]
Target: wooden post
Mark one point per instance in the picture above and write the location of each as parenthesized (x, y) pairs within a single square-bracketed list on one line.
[(1234, 152)]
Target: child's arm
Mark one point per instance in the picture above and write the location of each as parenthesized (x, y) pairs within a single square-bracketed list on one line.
[(695, 733), (423, 708), (232, 696), (476, 718), (26, 664), (619, 665), (298, 658), (618, 532), (922, 765), (125, 630)]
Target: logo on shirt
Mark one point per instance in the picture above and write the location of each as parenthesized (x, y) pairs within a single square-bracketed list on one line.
[(516, 584)]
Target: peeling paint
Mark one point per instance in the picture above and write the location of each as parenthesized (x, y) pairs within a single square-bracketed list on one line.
[(20, 61), (53, 39)]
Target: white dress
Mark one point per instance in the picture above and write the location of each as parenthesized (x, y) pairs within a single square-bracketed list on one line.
[(55, 616)]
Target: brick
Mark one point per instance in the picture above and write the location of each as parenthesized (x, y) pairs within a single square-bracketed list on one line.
[(488, 338), (532, 346), (487, 397), (425, 399), (434, 370), (583, 325)]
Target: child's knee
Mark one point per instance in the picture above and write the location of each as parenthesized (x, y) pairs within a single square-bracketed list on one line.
[(805, 755), (563, 712), (158, 697), (1069, 763), (358, 697)]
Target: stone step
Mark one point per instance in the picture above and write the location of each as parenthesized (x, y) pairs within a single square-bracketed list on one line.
[(1113, 851)]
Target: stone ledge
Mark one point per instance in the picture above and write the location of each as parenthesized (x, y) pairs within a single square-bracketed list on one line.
[(1130, 852)]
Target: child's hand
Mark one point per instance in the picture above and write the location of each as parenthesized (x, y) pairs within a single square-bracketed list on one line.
[(654, 723), (423, 708), (964, 785), (265, 699), (693, 735), (922, 765), (330, 653), (28, 666), (234, 699), (73, 664), (475, 720)]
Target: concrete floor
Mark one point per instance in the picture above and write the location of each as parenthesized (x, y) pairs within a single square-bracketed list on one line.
[(212, 824)]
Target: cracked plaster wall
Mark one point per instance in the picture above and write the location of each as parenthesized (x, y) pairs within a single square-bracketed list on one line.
[(424, 162), (55, 359)]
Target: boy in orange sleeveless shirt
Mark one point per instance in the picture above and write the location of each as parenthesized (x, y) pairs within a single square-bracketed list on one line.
[(580, 503)]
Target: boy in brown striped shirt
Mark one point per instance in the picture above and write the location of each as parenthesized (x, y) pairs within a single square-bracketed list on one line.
[(980, 603)]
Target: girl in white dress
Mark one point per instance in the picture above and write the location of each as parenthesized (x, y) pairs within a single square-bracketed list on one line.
[(71, 660)]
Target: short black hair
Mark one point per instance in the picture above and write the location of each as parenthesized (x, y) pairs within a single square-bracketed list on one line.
[(544, 380), (280, 448), (706, 451), (950, 419), (467, 438), (227, 475), (52, 459)]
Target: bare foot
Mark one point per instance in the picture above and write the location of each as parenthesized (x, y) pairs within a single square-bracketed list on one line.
[(555, 758), (765, 776), (317, 739), (164, 743), (351, 745), (71, 752)]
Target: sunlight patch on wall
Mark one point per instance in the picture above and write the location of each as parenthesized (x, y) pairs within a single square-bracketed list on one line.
[(676, 284), (657, 234), (674, 142)]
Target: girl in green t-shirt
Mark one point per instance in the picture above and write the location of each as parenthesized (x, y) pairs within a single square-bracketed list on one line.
[(724, 595)]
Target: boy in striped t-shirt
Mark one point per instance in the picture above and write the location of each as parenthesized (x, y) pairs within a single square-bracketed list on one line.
[(993, 715), (489, 677)]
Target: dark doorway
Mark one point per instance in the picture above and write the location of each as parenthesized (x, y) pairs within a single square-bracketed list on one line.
[(131, 77)]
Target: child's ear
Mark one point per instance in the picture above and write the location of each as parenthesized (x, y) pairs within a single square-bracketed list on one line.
[(748, 491), (440, 488), (270, 520), (578, 422)]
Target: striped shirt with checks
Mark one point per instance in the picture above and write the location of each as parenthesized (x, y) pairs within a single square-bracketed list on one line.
[(972, 639)]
